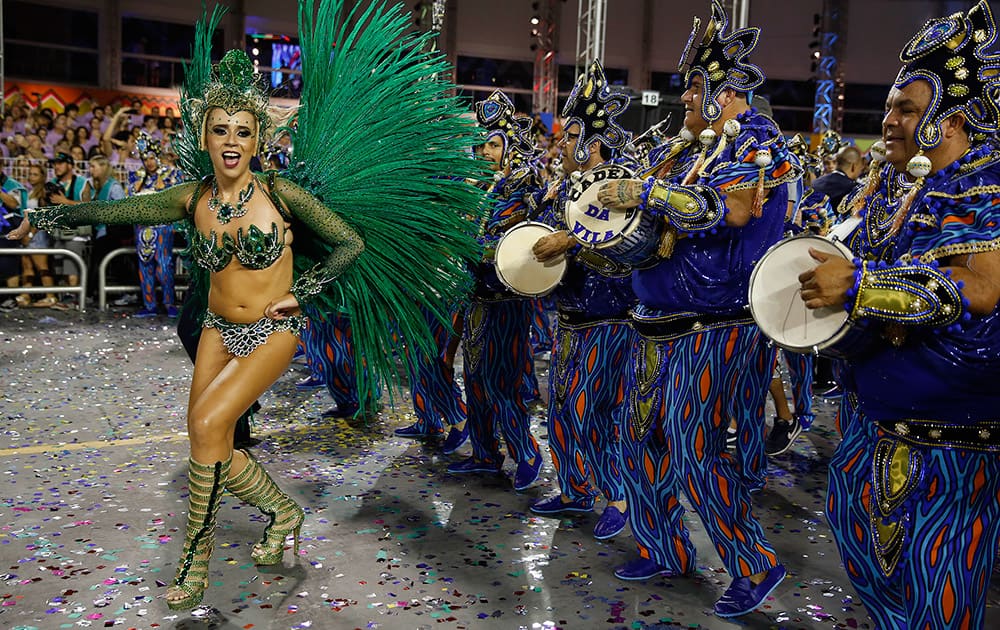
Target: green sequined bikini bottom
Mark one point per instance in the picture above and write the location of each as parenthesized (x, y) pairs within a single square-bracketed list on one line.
[(242, 339)]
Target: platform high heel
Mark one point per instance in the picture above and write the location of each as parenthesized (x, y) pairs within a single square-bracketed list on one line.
[(205, 486), (254, 486)]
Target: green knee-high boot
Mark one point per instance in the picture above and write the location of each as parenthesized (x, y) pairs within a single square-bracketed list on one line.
[(254, 486), (205, 486)]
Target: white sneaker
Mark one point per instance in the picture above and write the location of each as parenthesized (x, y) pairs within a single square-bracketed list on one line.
[(126, 300)]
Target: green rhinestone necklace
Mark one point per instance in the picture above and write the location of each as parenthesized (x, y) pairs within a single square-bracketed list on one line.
[(226, 211)]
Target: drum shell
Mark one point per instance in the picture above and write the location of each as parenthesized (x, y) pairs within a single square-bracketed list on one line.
[(639, 242)]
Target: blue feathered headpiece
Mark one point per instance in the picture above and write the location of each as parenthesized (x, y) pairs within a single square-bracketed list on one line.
[(721, 60), (594, 107), (497, 116), (951, 53)]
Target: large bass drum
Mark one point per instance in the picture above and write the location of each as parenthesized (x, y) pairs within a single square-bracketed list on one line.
[(626, 236), (517, 266), (778, 309)]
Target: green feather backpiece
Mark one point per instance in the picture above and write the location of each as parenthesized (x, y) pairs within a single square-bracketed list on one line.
[(379, 139), (193, 161)]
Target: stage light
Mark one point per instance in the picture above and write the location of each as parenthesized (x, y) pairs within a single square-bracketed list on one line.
[(534, 19)]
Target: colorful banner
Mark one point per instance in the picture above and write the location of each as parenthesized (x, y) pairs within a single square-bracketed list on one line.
[(56, 98)]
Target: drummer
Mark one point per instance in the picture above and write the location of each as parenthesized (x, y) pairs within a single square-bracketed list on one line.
[(593, 335), (721, 188), (914, 493), (495, 337)]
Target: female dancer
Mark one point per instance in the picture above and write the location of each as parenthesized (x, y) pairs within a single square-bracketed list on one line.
[(241, 227)]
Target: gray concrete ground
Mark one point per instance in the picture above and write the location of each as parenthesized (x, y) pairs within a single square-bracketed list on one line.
[(92, 459)]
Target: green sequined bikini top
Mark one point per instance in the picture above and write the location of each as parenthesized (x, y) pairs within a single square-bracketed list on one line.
[(254, 248)]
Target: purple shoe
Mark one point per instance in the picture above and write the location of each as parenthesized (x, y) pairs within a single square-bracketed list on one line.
[(413, 431), (310, 382), (611, 523), (527, 474), (555, 505), (472, 465), (144, 313), (643, 569), (456, 438), (743, 596), (172, 311)]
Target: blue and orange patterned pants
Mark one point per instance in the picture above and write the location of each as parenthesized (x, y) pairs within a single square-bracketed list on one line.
[(947, 525), (748, 408), (330, 356), (495, 350), (587, 404), (675, 441), (800, 374), (436, 396), (155, 246)]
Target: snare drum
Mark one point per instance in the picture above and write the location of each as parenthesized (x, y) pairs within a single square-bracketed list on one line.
[(778, 309), (517, 266), (626, 236)]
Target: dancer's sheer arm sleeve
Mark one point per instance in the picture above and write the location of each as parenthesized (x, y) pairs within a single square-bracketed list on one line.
[(345, 242), (152, 209)]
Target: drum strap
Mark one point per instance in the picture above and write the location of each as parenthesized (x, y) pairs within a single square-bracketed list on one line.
[(574, 320), (666, 329), (978, 436)]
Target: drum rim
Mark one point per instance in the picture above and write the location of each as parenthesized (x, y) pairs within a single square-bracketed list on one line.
[(844, 327), (562, 263)]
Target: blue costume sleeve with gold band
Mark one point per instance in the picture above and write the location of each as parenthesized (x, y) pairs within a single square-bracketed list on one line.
[(961, 217), (914, 294), (699, 207), (736, 169), (954, 214)]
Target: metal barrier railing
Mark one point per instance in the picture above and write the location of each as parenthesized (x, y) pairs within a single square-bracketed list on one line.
[(80, 289), (103, 288)]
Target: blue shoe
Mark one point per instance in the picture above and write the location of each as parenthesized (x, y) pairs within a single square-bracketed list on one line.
[(833, 393), (611, 523), (172, 312), (472, 465), (555, 505), (311, 382), (415, 431), (456, 438), (144, 313), (743, 596), (299, 353), (527, 474), (643, 569)]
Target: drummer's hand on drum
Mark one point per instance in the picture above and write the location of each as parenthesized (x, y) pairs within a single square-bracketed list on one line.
[(828, 283), (620, 194), (553, 245)]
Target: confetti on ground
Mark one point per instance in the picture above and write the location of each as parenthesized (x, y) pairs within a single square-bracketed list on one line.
[(95, 496)]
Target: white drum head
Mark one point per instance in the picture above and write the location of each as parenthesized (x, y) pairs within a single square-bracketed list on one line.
[(778, 308), (517, 266), (587, 220)]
